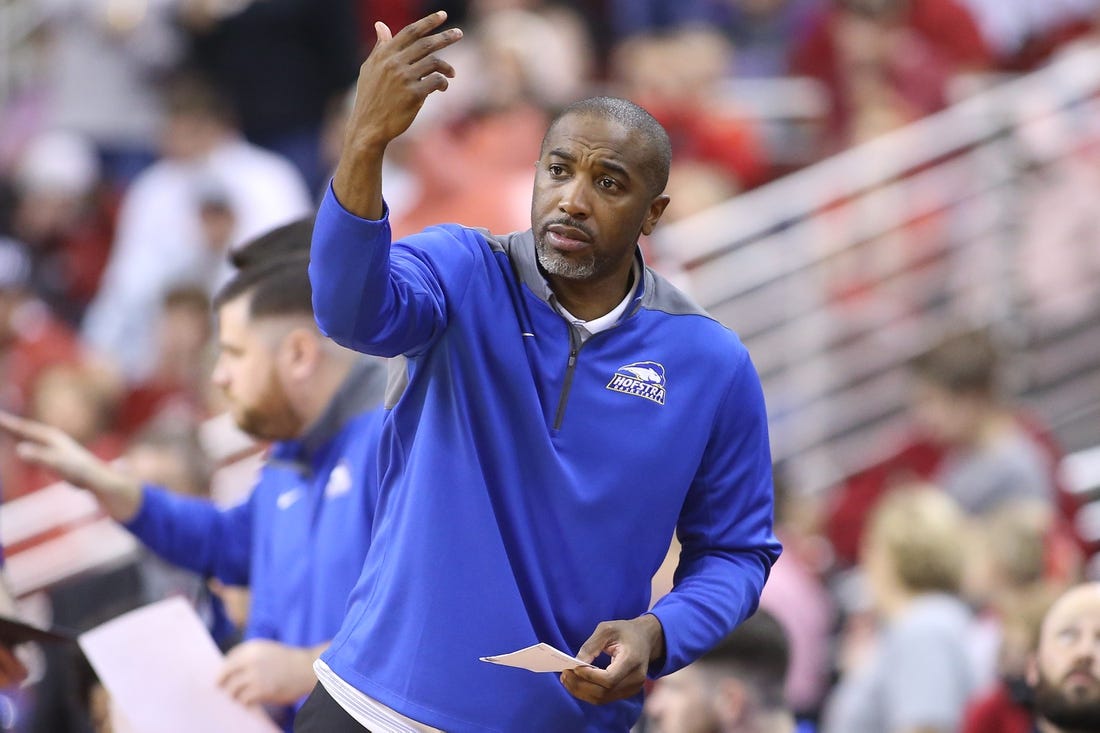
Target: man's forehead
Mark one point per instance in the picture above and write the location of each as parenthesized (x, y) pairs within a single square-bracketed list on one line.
[(1079, 604), (587, 130)]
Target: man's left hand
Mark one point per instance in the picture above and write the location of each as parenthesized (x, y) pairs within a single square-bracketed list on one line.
[(632, 646), (266, 672)]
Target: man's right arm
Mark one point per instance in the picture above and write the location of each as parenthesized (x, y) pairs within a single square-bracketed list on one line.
[(195, 534), (356, 301), (191, 533)]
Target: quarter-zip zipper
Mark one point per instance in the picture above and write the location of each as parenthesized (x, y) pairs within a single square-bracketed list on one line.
[(575, 345), (570, 367)]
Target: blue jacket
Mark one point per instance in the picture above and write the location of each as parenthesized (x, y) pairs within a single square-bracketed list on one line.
[(531, 484), (300, 538)]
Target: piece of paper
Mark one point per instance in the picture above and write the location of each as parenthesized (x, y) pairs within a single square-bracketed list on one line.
[(13, 631), (161, 667), (538, 658)]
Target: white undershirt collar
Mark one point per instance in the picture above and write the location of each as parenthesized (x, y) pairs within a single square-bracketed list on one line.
[(610, 318)]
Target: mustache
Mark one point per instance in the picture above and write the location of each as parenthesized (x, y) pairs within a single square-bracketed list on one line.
[(568, 222), (1082, 669)]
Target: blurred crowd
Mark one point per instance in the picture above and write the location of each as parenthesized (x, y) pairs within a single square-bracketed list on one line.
[(153, 137)]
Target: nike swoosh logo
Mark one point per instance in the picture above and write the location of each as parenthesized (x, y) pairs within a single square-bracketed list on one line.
[(287, 498)]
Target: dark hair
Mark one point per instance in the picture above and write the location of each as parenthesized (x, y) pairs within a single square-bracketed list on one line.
[(657, 157), (758, 652), (191, 95), (964, 363), (279, 287), (289, 239), (187, 296)]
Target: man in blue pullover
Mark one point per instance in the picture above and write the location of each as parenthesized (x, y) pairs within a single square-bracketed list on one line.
[(565, 411), (300, 539)]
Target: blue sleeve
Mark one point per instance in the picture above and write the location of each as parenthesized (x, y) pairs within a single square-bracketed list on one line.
[(382, 298), (197, 535), (725, 530)]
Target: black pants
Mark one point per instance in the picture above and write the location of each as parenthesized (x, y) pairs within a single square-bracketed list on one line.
[(322, 714)]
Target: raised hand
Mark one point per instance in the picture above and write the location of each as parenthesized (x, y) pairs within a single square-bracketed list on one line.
[(43, 445), (400, 73)]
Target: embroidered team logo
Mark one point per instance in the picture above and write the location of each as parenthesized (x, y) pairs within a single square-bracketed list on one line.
[(339, 481), (641, 379)]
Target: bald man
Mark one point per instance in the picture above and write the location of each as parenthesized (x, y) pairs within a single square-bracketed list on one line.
[(1065, 672)]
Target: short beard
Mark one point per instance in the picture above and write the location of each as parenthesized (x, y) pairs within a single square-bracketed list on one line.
[(1054, 706), (558, 264), (274, 419)]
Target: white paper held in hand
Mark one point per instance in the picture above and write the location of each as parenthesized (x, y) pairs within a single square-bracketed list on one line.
[(537, 658), (161, 668)]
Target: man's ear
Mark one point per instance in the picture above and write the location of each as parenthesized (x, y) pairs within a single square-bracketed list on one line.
[(301, 353), (731, 701), (656, 208)]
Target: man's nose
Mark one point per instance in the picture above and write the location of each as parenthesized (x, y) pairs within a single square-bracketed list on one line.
[(575, 200), (219, 377)]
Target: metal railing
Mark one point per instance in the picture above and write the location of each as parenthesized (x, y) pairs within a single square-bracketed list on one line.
[(836, 275)]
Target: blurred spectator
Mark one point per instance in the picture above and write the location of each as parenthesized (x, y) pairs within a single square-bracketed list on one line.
[(887, 62), (674, 76), (210, 192), (1006, 572), (106, 61), (1065, 672), (32, 342), (796, 596), (1057, 258), (1007, 707), (177, 387), (967, 439), (65, 216), (917, 674), (764, 33), (73, 399), (283, 63), (642, 17), (737, 687), (1024, 33), (31, 338)]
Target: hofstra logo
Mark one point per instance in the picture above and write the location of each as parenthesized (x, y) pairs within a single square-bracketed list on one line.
[(641, 379)]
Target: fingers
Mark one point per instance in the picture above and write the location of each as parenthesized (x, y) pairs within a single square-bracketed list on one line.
[(240, 687), (382, 31), (413, 31), (596, 643), (39, 455), (433, 83), (25, 429), (427, 46), (584, 684), (432, 64), (236, 679)]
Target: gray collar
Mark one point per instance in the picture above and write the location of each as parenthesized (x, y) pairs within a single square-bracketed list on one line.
[(520, 248), (362, 390)]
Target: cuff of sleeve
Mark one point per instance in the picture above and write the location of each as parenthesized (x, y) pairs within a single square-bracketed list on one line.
[(331, 205), (151, 499), (666, 664)]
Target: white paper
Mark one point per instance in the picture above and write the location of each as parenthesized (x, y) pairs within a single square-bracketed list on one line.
[(161, 668), (538, 658)]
